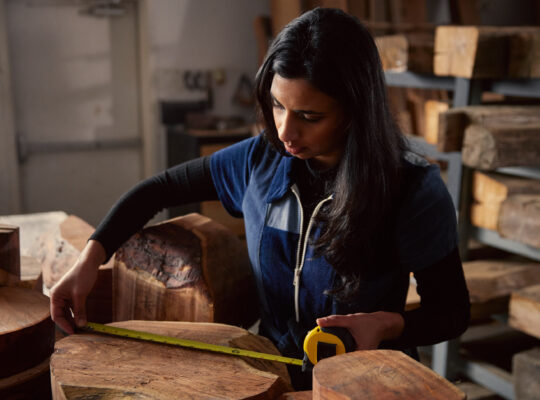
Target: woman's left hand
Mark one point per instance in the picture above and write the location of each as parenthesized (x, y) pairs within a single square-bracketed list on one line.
[(368, 329)]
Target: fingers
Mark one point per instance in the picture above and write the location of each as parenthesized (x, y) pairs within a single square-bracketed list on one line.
[(334, 320), (61, 316), (79, 310)]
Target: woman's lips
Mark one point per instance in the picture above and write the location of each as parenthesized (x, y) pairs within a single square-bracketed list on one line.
[(294, 149)]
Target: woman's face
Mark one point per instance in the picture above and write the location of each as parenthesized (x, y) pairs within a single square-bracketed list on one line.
[(309, 122)]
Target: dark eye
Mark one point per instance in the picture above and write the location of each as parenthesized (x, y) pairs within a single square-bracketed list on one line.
[(275, 104), (310, 118)]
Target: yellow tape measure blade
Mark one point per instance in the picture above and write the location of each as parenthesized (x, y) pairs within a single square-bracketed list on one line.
[(192, 344)]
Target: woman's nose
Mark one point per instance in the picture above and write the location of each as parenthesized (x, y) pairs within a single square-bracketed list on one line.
[(287, 132)]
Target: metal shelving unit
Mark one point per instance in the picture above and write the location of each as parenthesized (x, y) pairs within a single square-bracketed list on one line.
[(445, 356)]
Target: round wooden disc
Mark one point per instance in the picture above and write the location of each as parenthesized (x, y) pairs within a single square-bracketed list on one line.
[(97, 364), (26, 330), (379, 374)]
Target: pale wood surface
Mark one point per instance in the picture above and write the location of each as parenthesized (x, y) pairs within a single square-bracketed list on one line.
[(432, 110), (187, 269), (379, 374), (26, 330), (98, 365), (491, 279), (494, 146), (519, 219), (453, 122), (487, 51), (33, 383), (525, 373), (525, 310), (407, 52)]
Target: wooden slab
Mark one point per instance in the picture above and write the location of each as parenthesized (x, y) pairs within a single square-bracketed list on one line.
[(492, 279), (519, 219), (379, 374), (26, 330), (453, 122), (487, 51), (407, 52), (525, 310), (33, 383), (491, 146), (525, 373), (186, 269), (99, 365)]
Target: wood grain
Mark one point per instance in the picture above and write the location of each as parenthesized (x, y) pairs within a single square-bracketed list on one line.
[(519, 219), (525, 310), (26, 330), (379, 374), (100, 365), (186, 269)]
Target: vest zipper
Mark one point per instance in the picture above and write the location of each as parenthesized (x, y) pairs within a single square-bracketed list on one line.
[(302, 247)]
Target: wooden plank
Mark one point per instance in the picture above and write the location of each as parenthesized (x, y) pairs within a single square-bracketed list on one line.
[(524, 313), (452, 123), (26, 330), (98, 366), (494, 146), (432, 110), (525, 373), (519, 219), (406, 52), (379, 374), (186, 269), (10, 259), (487, 51), (492, 279)]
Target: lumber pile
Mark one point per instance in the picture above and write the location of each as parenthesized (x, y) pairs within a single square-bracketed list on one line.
[(491, 282), (487, 51), (98, 366), (525, 372), (519, 219), (379, 374), (186, 269)]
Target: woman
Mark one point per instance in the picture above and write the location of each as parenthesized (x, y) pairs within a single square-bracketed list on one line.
[(338, 213)]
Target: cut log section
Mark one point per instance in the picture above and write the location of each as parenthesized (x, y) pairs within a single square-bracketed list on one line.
[(379, 374), (494, 146), (186, 269), (519, 219), (410, 52), (101, 365), (525, 373), (487, 51), (10, 259), (525, 310), (453, 122), (26, 330), (489, 190)]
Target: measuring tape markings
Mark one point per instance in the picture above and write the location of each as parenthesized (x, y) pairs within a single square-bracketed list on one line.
[(152, 337)]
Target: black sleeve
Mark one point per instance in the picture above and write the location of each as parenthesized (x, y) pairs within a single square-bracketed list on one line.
[(185, 183), (444, 311)]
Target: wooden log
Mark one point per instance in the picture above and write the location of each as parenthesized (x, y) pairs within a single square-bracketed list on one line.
[(100, 365), (10, 259), (525, 373), (489, 190), (26, 330), (407, 52), (519, 219), (495, 146), (379, 374), (186, 269), (453, 122), (33, 383), (487, 51), (524, 314), (492, 279)]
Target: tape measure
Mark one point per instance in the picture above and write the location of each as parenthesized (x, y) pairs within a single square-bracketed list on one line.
[(317, 339)]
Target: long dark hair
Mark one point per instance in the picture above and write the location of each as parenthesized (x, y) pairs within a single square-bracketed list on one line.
[(336, 54)]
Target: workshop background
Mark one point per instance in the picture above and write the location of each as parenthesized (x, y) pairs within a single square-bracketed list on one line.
[(96, 95)]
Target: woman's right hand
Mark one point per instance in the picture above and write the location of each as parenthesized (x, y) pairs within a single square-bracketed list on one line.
[(70, 293)]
